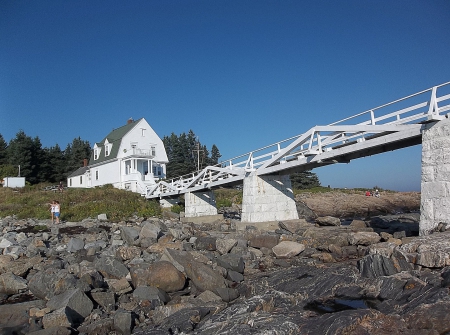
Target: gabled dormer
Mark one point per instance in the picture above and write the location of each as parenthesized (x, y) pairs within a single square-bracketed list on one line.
[(96, 152), (108, 147)]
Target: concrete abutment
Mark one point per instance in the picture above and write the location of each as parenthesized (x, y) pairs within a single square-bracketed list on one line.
[(200, 204), (435, 184), (268, 198)]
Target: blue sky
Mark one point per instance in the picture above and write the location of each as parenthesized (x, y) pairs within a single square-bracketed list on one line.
[(240, 74)]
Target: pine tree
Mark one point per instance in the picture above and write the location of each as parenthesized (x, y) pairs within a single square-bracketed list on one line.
[(74, 155), (185, 154), (3, 150), (304, 180), (215, 155), (27, 153)]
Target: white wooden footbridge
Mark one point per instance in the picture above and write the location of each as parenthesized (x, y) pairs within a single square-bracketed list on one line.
[(391, 126)]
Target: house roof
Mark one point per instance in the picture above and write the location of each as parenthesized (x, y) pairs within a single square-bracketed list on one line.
[(78, 172), (115, 138)]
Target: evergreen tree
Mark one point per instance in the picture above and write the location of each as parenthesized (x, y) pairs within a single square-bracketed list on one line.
[(304, 180), (54, 164), (185, 154), (26, 152), (215, 155), (3, 150), (74, 155)]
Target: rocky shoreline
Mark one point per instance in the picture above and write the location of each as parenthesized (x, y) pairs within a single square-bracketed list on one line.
[(163, 276)]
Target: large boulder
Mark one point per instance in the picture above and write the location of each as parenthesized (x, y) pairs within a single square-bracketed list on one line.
[(162, 274)]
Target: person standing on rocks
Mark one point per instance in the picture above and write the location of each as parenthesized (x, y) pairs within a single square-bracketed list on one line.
[(57, 211), (52, 210)]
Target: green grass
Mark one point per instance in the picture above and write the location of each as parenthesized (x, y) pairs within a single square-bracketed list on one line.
[(76, 204), (118, 205)]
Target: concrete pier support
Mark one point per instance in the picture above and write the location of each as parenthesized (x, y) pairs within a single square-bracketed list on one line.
[(268, 198), (435, 186), (168, 202), (200, 204)]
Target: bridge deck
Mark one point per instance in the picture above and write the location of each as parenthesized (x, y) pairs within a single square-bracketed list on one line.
[(391, 126)]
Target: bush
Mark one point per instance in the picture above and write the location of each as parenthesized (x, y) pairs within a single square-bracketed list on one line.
[(177, 209)]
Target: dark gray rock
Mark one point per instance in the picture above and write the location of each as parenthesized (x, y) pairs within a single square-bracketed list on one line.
[(123, 322), (154, 295), (129, 234), (110, 267), (205, 243), (75, 244), (227, 294), (232, 262), (50, 282), (373, 266), (76, 303), (104, 299), (11, 284)]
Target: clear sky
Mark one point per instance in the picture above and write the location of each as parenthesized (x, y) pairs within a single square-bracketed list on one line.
[(240, 74)]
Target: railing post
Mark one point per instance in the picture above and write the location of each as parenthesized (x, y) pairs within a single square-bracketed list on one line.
[(372, 117), (433, 103)]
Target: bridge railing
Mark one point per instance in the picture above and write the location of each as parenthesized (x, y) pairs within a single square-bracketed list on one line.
[(423, 106)]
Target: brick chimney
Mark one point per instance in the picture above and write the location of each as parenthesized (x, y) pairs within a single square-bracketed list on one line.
[(85, 162), (130, 120)]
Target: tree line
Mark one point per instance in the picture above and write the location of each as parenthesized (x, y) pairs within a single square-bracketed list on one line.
[(38, 164)]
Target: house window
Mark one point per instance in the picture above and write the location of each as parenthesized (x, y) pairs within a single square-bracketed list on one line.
[(81, 180), (107, 150), (96, 152), (143, 132), (96, 175), (153, 150)]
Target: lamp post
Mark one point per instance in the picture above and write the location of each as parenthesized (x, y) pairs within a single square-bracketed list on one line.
[(19, 171)]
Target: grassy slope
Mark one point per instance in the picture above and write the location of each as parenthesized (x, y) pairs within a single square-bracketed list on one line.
[(76, 204)]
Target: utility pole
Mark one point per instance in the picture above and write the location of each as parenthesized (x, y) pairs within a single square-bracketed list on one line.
[(19, 172), (197, 150)]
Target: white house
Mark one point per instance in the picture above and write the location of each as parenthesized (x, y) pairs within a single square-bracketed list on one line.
[(131, 157)]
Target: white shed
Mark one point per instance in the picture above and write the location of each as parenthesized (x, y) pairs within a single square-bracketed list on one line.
[(14, 182)]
